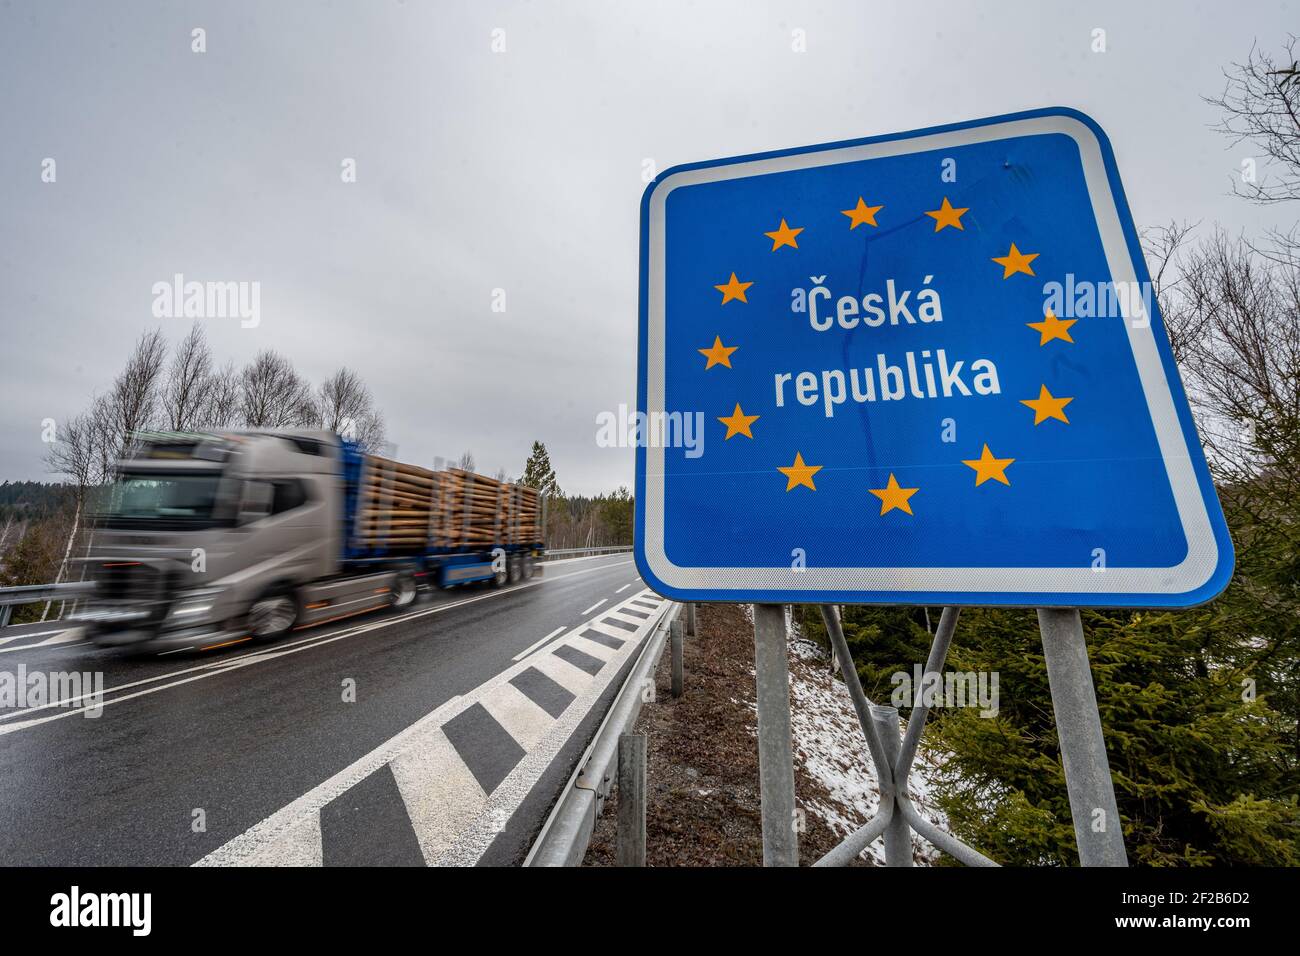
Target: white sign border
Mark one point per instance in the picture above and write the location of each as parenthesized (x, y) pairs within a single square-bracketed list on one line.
[(1193, 572)]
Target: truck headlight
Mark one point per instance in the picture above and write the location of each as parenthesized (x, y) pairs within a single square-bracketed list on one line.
[(190, 605)]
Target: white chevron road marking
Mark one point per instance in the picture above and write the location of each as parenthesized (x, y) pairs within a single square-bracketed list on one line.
[(453, 819)]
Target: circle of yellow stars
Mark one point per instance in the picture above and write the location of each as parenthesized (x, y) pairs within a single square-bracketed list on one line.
[(894, 497)]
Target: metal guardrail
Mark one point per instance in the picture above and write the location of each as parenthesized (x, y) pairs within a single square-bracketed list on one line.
[(574, 552), (564, 837), (36, 593)]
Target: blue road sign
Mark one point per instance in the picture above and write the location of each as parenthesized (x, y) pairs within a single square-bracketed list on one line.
[(924, 368)]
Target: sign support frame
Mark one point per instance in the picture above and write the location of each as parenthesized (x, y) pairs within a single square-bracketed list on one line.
[(1078, 721)]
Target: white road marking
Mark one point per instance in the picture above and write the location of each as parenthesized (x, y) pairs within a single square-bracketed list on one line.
[(573, 679), (279, 826), (441, 794), (609, 629), (624, 588), (594, 606), (19, 637), (454, 820), (226, 665), (591, 648), (299, 845), (60, 637), (536, 644), (522, 719)]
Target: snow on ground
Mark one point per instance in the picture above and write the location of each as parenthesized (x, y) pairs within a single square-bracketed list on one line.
[(830, 746)]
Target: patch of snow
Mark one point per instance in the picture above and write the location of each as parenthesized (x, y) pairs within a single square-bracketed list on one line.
[(830, 746)]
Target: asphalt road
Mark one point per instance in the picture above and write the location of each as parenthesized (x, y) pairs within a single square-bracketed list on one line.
[(469, 712)]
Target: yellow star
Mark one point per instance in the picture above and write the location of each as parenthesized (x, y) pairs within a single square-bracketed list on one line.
[(733, 289), (861, 213), (1046, 406), (718, 354), (738, 424), (1015, 261), (1052, 328), (986, 467), (784, 236), (892, 496), (798, 473), (946, 215)]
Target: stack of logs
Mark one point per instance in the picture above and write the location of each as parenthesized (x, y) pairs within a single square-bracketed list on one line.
[(405, 507)]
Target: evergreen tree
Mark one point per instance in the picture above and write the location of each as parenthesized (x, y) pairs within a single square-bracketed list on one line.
[(616, 516), (1204, 762), (539, 474)]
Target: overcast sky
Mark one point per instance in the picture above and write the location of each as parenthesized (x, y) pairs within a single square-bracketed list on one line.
[(479, 170)]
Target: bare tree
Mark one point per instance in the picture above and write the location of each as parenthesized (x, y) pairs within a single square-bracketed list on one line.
[(466, 462), (189, 380), (1239, 318), (1163, 246), (371, 433), (74, 453), (1261, 107), (345, 405), (104, 437), (273, 394), (133, 399), (222, 398)]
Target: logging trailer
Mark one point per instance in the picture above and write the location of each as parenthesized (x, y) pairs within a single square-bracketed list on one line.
[(206, 540)]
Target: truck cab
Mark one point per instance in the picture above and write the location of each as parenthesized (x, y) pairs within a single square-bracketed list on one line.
[(206, 538)]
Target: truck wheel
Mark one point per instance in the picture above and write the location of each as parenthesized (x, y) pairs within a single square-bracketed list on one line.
[(404, 590), (501, 577), (272, 616), (530, 566), (516, 572)]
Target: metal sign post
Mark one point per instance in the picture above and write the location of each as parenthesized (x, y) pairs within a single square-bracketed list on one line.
[(775, 756), (1083, 748), (919, 369)]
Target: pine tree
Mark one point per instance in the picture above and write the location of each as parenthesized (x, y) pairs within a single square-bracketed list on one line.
[(1203, 758), (539, 474)]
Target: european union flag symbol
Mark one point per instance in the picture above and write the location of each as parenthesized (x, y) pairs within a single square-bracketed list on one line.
[(931, 370)]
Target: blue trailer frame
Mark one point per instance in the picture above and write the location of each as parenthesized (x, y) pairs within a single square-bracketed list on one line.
[(448, 567)]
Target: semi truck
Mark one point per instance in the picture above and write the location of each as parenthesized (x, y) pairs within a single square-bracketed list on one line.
[(205, 540)]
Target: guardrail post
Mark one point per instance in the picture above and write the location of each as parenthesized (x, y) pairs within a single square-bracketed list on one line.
[(898, 835), (678, 650), (631, 799), (5, 611), (775, 752), (690, 619), (1097, 827)]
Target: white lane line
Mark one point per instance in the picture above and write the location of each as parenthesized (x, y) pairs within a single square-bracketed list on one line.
[(536, 644), (441, 793), (594, 606), (226, 665), (60, 637), (624, 587), (19, 637)]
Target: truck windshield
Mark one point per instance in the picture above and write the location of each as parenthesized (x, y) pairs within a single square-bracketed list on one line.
[(157, 500)]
